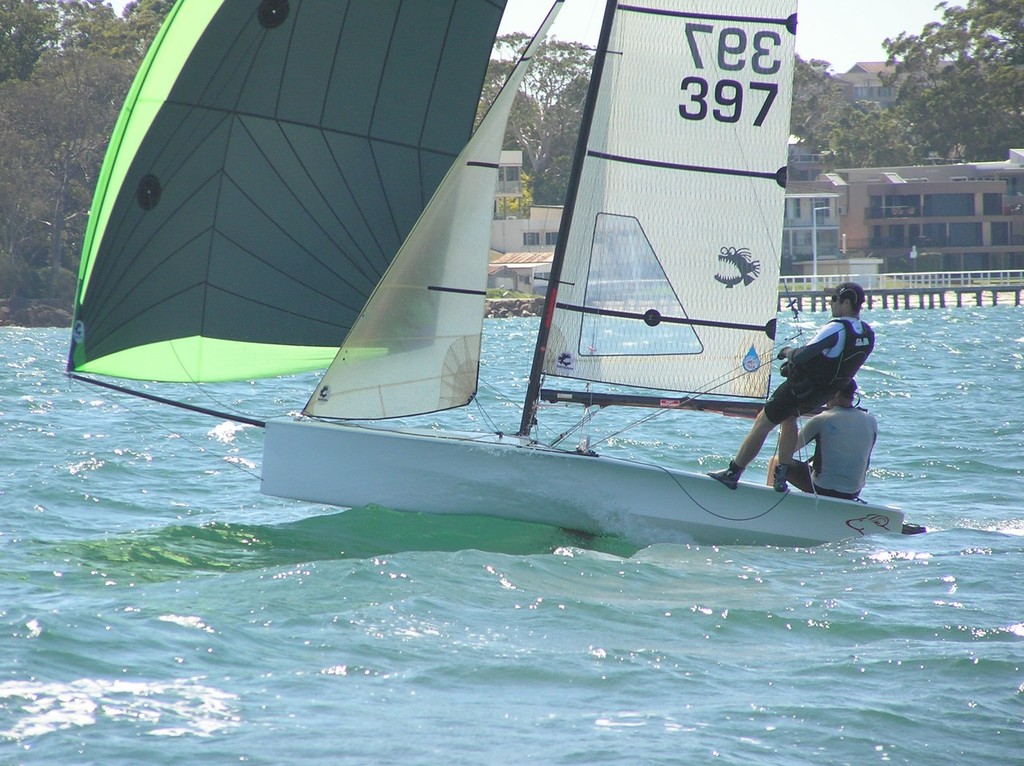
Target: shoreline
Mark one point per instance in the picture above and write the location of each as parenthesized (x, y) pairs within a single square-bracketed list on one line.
[(40, 314)]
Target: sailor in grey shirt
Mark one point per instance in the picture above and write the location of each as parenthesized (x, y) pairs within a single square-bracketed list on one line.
[(844, 436)]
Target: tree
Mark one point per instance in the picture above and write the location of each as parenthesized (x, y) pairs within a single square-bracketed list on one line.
[(546, 116), (961, 82), (58, 123), (818, 104), (865, 136), (26, 30)]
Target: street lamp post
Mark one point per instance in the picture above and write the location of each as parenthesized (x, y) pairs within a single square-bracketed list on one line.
[(814, 247)]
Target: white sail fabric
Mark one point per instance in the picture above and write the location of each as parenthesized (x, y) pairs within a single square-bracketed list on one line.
[(664, 285), (416, 346)]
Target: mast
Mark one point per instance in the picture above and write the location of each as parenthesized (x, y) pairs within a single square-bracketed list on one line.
[(533, 387)]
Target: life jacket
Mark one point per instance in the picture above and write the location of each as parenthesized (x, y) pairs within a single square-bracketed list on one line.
[(826, 374)]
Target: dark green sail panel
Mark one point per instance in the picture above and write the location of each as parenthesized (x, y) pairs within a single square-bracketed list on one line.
[(269, 161)]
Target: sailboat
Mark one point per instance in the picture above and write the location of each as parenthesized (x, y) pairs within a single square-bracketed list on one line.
[(298, 209)]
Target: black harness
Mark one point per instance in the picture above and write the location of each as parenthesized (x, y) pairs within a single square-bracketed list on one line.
[(824, 374)]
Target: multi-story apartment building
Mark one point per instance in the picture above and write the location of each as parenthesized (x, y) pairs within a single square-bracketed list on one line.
[(961, 217)]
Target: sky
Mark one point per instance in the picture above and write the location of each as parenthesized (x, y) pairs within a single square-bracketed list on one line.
[(841, 32)]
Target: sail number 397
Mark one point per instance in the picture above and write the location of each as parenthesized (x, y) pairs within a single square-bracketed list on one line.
[(724, 99)]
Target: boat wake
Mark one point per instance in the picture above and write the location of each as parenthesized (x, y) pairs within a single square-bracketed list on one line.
[(358, 533)]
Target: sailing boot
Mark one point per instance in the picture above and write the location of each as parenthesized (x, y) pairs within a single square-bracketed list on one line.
[(779, 479), (730, 476)]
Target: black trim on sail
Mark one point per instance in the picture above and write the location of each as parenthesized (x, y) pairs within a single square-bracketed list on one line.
[(789, 22), (646, 318), (772, 176)]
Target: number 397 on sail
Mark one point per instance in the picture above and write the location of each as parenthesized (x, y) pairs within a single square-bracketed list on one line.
[(730, 49)]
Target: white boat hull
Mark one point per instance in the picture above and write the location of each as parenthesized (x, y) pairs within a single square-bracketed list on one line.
[(511, 478)]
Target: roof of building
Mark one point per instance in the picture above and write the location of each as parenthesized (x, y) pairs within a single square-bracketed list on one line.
[(523, 260), (875, 67)]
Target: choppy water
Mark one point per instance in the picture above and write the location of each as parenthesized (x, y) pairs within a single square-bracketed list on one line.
[(154, 608)]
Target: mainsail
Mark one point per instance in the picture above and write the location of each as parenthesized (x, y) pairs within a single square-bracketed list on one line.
[(269, 162), (662, 284)]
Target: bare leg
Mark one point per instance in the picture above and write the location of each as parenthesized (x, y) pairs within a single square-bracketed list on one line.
[(787, 441), (755, 440)]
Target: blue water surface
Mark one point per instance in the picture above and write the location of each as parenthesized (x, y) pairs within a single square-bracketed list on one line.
[(157, 609)]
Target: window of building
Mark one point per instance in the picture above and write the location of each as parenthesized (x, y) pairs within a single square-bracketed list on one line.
[(965, 234), (946, 205), (976, 262), (934, 234), (531, 238), (1000, 233), (551, 238), (992, 204), (508, 174)]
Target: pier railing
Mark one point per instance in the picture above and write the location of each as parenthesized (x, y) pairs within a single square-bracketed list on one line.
[(921, 287), (910, 279)]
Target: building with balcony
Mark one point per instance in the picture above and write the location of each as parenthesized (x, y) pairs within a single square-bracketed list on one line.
[(961, 217)]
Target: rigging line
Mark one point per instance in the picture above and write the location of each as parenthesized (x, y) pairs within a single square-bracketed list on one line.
[(234, 462), (486, 416), (170, 402), (660, 412), (192, 381)]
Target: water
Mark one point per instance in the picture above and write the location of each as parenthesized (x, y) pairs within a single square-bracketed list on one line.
[(156, 609)]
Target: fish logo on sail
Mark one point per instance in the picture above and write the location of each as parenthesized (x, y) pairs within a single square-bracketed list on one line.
[(740, 259)]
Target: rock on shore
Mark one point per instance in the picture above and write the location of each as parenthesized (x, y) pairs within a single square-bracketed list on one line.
[(502, 308)]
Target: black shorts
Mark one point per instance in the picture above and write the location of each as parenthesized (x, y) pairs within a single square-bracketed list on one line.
[(783, 404)]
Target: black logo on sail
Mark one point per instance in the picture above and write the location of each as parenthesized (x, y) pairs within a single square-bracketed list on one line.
[(743, 267)]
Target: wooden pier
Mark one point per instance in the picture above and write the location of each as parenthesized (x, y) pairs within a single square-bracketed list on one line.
[(914, 298), (910, 291)]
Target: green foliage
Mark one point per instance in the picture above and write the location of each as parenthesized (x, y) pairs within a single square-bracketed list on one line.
[(546, 115), (499, 293), (865, 136), (961, 82), (26, 30), (818, 104), (63, 77)]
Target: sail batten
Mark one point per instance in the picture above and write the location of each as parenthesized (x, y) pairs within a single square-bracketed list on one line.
[(771, 176), (646, 317)]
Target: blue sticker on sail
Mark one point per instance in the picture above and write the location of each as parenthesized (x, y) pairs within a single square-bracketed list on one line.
[(751, 362)]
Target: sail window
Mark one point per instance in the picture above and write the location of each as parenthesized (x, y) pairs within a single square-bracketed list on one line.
[(631, 307)]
